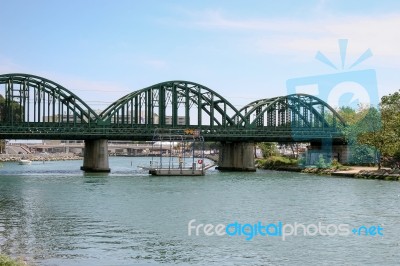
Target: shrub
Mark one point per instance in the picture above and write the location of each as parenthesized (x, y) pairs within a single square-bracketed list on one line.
[(276, 161), (7, 261), (320, 163)]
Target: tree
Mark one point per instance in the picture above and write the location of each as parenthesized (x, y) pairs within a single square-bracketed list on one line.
[(294, 147), (268, 149), (350, 115), (15, 109), (390, 108), (375, 130), (359, 153), (2, 146), (2, 108)]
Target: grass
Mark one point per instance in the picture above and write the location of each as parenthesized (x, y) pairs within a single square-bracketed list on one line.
[(7, 261), (276, 161)]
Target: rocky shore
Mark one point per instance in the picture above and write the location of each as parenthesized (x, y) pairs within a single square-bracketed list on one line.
[(382, 174), (347, 171), (39, 157)]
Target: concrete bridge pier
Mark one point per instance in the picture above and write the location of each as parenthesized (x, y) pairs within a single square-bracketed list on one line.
[(236, 156), (342, 152), (329, 150), (95, 156)]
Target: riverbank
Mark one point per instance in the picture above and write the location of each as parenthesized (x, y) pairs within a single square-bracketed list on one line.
[(382, 174), (280, 163), (8, 261), (39, 157), (362, 172)]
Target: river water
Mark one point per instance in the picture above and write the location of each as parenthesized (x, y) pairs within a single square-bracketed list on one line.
[(54, 214)]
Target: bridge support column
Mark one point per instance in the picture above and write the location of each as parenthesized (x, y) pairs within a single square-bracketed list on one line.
[(236, 156), (95, 156), (341, 152), (329, 151), (317, 149)]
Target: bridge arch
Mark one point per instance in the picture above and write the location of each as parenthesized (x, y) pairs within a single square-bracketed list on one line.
[(172, 103), (33, 99), (295, 111)]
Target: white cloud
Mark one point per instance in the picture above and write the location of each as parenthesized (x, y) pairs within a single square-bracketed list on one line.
[(290, 36), (216, 20)]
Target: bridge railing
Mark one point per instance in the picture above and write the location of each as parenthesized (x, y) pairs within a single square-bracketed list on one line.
[(142, 132)]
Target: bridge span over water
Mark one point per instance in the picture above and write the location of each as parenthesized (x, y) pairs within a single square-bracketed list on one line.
[(33, 107)]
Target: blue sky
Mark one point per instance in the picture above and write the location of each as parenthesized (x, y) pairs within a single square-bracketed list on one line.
[(244, 50)]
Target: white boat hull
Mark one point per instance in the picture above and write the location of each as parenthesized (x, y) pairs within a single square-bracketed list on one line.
[(24, 162)]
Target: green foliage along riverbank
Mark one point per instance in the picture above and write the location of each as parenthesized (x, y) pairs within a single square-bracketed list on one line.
[(7, 261), (372, 132), (276, 162), (281, 163)]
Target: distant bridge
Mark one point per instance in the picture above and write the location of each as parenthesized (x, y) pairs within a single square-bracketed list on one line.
[(37, 108)]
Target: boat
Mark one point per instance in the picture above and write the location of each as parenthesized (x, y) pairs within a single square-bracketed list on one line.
[(176, 153), (176, 172), (24, 162)]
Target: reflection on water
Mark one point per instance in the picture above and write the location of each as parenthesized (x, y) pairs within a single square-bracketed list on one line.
[(54, 214)]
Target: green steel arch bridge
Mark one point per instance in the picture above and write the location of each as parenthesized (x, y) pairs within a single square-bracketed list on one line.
[(33, 107)]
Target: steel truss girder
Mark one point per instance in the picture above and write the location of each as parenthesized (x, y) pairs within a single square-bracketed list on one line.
[(307, 102), (294, 117), (40, 98), (179, 93)]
